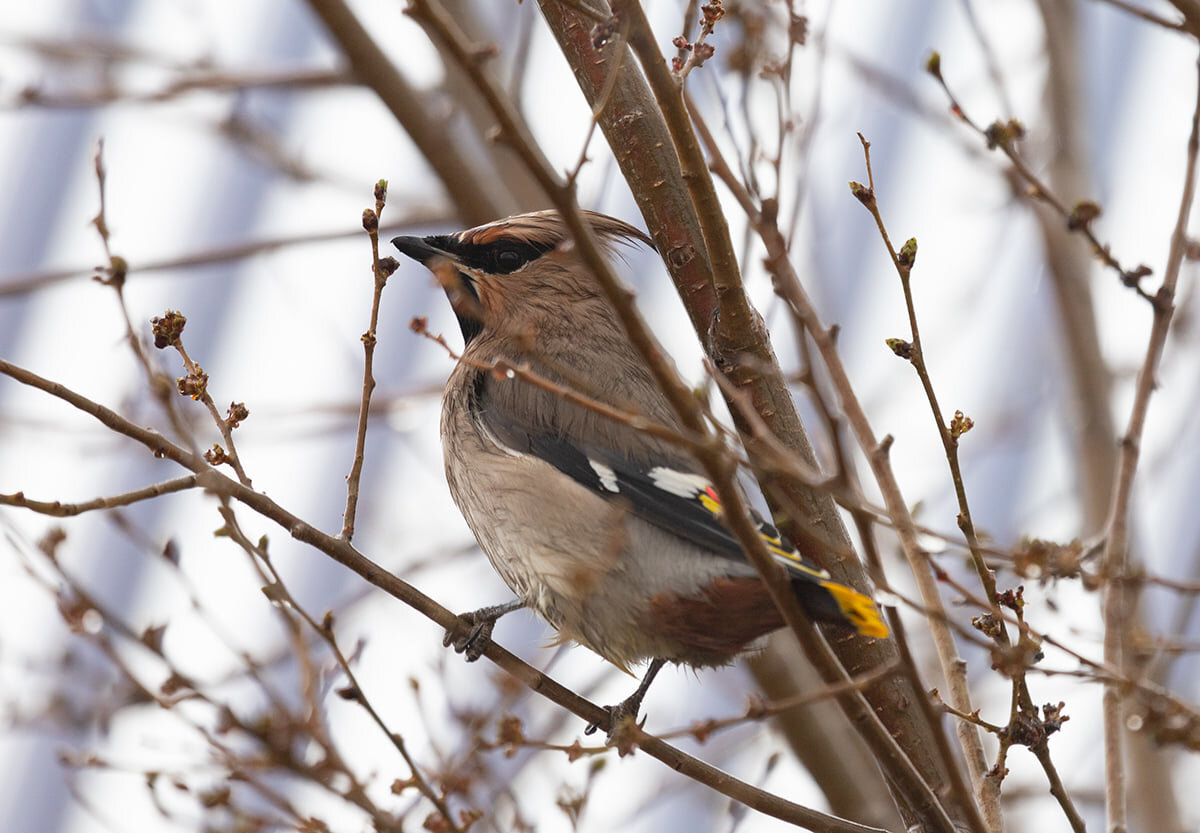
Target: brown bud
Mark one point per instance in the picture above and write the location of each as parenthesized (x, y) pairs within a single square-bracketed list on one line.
[(194, 384), (862, 193), (712, 12), (237, 413), (960, 424), (933, 65), (1082, 215), (387, 266), (900, 347), (167, 328)]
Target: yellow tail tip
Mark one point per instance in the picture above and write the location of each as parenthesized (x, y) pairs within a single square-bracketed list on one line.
[(860, 610)]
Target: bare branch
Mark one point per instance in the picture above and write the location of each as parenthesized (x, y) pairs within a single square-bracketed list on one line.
[(58, 509), (381, 270), (17, 285), (1116, 550)]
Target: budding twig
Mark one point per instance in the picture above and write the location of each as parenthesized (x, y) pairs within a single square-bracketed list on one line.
[(381, 269)]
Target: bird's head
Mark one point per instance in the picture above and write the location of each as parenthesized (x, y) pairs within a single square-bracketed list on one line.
[(520, 273)]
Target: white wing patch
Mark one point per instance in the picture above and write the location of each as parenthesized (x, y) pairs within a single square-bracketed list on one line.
[(681, 483), (608, 477)]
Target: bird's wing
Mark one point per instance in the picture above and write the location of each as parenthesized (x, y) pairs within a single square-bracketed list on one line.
[(680, 501), (672, 496)]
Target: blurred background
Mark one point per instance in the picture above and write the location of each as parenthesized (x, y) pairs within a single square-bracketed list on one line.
[(240, 152)]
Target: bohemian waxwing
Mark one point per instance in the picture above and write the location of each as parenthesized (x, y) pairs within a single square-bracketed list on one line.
[(613, 536)]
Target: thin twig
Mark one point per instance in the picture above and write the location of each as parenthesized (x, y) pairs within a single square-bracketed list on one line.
[(914, 353), (354, 692), (988, 790), (380, 271), (1021, 702), (1004, 135), (15, 285), (1116, 550), (758, 710), (697, 52), (195, 384), (196, 80), (114, 275), (58, 509)]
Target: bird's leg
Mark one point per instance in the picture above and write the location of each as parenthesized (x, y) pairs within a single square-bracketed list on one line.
[(475, 641), (630, 705)]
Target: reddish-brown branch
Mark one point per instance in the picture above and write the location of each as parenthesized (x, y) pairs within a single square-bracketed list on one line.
[(643, 149)]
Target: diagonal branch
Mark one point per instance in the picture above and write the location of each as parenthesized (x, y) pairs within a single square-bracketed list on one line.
[(344, 553), (465, 184)]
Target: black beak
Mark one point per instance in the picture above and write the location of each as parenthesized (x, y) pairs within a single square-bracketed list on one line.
[(417, 248)]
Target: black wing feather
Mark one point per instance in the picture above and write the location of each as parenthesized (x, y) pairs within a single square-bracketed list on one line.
[(677, 514), (668, 492)]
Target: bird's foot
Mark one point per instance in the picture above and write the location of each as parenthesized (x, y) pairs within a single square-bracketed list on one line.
[(624, 714), (474, 640), (620, 718)]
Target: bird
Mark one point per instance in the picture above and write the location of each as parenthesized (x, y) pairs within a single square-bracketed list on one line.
[(611, 534)]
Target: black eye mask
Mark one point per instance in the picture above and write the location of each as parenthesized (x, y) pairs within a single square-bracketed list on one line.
[(498, 258)]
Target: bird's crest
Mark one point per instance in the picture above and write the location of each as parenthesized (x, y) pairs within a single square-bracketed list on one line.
[(546, 230)]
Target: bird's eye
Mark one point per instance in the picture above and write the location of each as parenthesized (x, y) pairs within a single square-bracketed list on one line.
[(508, 259)]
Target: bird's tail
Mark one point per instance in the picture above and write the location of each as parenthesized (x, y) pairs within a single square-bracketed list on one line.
[(828, 601), (859, 609)]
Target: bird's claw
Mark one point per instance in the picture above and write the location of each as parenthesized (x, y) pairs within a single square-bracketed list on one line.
[(624, 715), (474, 642), (619, 716)]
